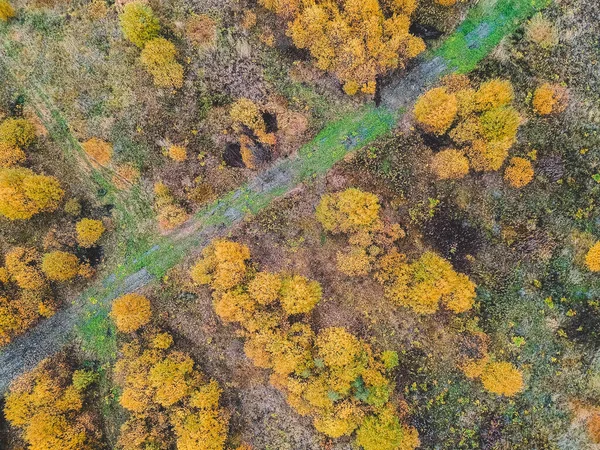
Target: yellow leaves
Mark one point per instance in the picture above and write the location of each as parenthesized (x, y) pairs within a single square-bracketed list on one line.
[(130, 312), (23, 193), (10, 155), (550, 99), (168, 378), (349, 211), (494, 94), (384, 431), (6, 10), (502, 378), (165, 390), (519, 172), (158, 56), (264, 287), (17, 132), (138, 23), (450, 164), (89, 232), (592, 258), (177, 153), (100, 151), (337, 347), (60, 266), (299, 295), (22, 263), (46, 407), (223, 265), (436, 110), (425, 283), (353, 39)]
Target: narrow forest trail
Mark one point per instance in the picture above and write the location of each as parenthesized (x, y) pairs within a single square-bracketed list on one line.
[(486, 24)]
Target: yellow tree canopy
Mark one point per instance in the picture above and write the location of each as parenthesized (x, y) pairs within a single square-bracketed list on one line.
[(23, 193)]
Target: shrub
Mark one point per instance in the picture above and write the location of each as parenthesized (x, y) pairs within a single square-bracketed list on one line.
[(72, 207), (60, 266), (126, 175), (17, 132), (10, 155), (138, 23), (592, 258), (299, 295), (177, 153), (23, 193), (549, 99), (450, 164), (100, 151), (385, 432), (89, 232), (171, 216), (541, 31), (158, 57), (354, 262), (349, 211), (6, 10), (131, 312), (519, 173), (436, 110), (502, 378), (593, 427), (201, 30)]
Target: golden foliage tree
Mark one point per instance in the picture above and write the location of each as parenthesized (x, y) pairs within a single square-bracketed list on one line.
[(351, 38), (550, 99), (17, 132), (138, 23), (502, 378), (100, 151), (6, 10), (89, 232), (436, 110), (425, 283), (299, 295), (24, 193), (158, 57), (223, 265), (519, 172), (48, 408), (450, 164), (165, 392), (60, 266), (481, 122), (10, 155), (385, 432), (334, 377), (130, 312), (22, 264), (349, 211)]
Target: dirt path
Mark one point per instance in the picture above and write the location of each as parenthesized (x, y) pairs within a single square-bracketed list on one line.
[(479, 33)]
